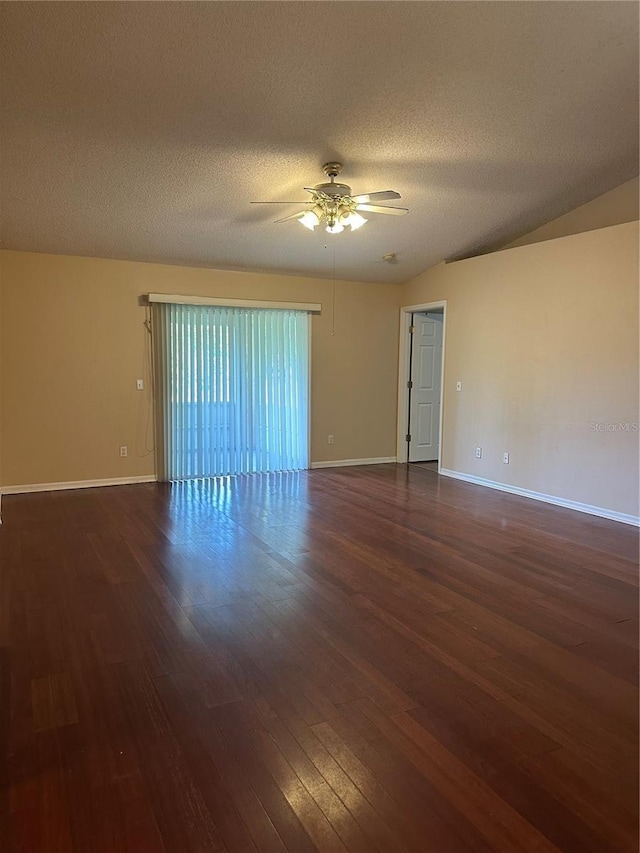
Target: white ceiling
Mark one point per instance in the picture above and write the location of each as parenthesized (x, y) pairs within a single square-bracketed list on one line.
[(144, 130)]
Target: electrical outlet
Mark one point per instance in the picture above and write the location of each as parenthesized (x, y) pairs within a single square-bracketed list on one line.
[(124, 450), (458, 386), (505, 458), (329, 439), (139, 384), (478, 453)]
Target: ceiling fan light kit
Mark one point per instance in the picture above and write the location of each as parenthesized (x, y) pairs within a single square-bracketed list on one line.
[(333, 205)]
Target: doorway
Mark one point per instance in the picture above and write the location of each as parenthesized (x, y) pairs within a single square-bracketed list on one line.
[(425, 389), (420, 384)]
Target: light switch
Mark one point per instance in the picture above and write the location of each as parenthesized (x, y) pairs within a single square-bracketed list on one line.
[(458, 386), (139, 384)]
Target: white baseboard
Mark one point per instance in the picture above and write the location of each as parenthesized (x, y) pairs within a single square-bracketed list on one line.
[(540, 496), (77, 484), (344, 463)]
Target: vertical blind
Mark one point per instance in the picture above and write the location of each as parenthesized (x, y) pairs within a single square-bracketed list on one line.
[(232, 388)]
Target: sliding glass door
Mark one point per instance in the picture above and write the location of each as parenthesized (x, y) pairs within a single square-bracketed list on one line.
[(232, 389)]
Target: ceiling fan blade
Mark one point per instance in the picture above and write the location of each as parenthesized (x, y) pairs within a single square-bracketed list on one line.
[(383, 195), (375, 208), (291, 216), (279, 202)]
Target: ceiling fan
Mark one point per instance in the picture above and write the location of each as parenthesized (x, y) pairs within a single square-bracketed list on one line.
[(333, 204)]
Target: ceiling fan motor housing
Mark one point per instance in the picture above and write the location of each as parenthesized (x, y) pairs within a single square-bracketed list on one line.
[(332, 170), (333, 189)]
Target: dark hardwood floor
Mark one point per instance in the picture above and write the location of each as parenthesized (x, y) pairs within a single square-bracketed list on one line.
[(366, 659)]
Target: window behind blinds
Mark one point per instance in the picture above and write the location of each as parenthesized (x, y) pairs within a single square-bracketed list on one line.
[(232, 388)]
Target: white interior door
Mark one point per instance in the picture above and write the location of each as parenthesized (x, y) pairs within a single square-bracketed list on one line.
[(424, 410)]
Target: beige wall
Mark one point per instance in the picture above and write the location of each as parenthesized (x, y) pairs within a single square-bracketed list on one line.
[(613, 208), (545, 341), (544, 338), (73, 344)]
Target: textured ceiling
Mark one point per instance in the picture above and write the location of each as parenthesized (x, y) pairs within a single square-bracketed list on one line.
[(144, 130)]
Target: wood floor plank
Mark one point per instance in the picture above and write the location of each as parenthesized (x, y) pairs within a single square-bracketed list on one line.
[(378, 830), (434, 814), (356, 660), (53, 701), (5, 722), (499, 823), (407, 833), (182, 815), (181, 702), (183, 714), (315, 783), (270, 792), (39, 808), (318, 825)]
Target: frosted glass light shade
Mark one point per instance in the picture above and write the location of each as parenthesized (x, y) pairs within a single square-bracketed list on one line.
[(356, 221), (309, 219)]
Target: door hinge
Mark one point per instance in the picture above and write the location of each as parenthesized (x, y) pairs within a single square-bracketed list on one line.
[(412, 329), (409, 384), (408, 438)]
